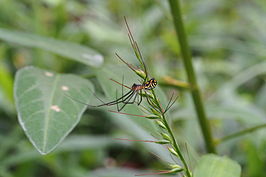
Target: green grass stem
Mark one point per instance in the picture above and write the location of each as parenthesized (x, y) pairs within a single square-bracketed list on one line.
[(241, 133), (174, 143), (187, 60)]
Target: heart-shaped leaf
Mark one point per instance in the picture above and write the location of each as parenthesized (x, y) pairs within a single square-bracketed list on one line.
[(215, 166), (45, 110)]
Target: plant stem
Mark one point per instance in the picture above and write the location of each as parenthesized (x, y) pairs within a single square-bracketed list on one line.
[(174, 143), (176, 148), (195, 92), (240, 133)]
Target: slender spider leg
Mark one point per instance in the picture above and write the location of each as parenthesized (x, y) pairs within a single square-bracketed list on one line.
[(132, 102), (140, 100), (95, 97), (116, 99), (122, 85), (130, 93), (98, 98), (101, 99), (129, 98), (119, 100), (138, 97)]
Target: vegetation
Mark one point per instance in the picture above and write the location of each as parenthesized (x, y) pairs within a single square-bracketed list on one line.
[(56, 54)]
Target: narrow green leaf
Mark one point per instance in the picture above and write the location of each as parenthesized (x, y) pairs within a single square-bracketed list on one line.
[(67, 49), (45, 110), (215, 166)]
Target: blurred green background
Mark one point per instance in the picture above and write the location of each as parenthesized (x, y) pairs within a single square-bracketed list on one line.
[(228, 43)]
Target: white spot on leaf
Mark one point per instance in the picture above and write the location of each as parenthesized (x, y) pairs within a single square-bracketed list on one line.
[(49, 74), (98, 59), (65, 88), (55, 108)]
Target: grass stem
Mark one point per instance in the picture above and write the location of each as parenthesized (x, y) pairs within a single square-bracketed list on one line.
[(174, 143), (241, 133), (187, 60)]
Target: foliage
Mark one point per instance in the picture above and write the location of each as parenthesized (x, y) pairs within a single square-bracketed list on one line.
[(227, 41), (211, 165), (45, 111)]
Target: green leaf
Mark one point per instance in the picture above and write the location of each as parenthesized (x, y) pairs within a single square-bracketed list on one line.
[(215, 166), (67, 49), (45, 110)]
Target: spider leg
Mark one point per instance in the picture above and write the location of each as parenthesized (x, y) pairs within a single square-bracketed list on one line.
[(140, 97), (116, 98), (132, 102), (119, 100), (122, 85), (127, 101)]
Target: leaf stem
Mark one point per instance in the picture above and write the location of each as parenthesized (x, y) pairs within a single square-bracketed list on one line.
[(195, 92), (240, 133)]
